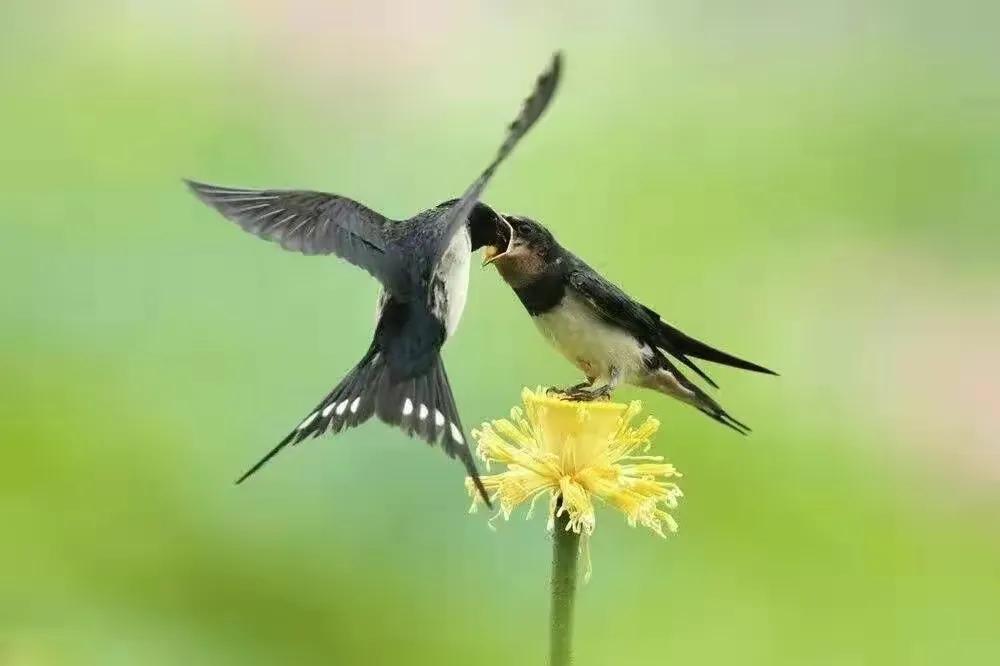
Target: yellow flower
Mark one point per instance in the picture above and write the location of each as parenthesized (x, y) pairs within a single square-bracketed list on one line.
[(577, 451)]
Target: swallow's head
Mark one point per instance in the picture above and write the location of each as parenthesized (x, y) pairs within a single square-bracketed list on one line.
[(487, 228), (524, 252)]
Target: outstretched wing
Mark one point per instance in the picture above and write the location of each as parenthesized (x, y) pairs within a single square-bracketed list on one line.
[(453, 219), (618, 308), (310, 223)]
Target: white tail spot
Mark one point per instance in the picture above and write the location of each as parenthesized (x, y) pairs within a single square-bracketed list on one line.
[(328, 409), (438, 418), (309, 419), (407, 407), (456, 434), (423, 411), (341, 408), (354, 405)]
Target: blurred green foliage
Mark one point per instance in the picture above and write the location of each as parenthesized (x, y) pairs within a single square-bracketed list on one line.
[(814, 188)]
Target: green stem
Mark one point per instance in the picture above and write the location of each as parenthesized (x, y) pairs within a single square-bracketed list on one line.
[(565, 553)]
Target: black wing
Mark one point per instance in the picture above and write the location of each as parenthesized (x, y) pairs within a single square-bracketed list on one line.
[(310, 223), (534, 106), (685, 344), (618, 308)]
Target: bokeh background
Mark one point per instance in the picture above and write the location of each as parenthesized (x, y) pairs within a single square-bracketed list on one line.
[(814, 187)]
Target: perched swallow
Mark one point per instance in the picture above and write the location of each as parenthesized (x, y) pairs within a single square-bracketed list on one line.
[(612, 338), (423, 266)]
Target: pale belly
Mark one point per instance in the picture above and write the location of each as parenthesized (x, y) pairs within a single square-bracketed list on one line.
[(453, 270), (589, 343)]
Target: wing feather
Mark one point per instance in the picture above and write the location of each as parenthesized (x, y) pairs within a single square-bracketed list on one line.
[(617, 307), (310, 223), (531, 111)]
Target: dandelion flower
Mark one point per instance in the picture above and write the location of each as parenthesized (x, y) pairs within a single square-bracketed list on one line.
[(575, 452)]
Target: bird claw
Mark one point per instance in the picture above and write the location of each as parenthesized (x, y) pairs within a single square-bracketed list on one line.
[(576, 389), (584, 395)]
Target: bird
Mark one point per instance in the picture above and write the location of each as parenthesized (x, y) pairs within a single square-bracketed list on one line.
[(599, 328), (422, 265)]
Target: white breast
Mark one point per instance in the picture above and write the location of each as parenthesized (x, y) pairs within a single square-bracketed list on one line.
[(453, 271), (380, 305), (590, 343)]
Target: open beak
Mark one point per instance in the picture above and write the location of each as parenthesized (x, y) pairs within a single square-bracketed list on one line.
[(491, 252)]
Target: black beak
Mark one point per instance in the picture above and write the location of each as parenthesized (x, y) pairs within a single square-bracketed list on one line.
[(504, 239)]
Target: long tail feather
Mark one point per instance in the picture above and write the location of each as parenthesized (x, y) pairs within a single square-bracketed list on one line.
[(680, 344), (422, 406), (725, 419), (349, 404), (425, 406), (667, 379)]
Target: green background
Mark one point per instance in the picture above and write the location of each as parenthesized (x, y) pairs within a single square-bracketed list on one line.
[(814, 187)]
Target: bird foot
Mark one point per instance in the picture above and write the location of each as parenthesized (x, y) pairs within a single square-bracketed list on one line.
[(564, 392), (585, 395)]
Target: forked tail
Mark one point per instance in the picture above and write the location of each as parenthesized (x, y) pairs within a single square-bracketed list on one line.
[(669, 381), (423, 406)]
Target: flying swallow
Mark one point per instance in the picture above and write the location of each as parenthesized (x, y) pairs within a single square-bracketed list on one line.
[(422, 264)]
